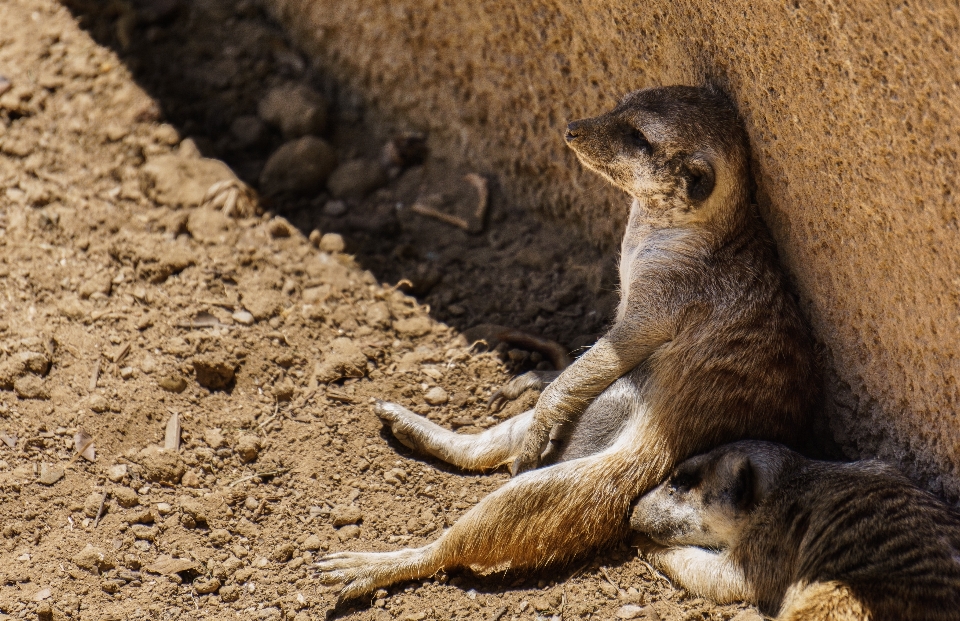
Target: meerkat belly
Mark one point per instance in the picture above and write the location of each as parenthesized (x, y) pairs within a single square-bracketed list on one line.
[(600, 425)]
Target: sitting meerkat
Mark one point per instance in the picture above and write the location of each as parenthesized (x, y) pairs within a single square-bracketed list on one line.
[(707, 347), (806, 540)]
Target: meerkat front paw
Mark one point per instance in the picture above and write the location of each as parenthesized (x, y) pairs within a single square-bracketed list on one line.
[(648, 548), (531, 451)]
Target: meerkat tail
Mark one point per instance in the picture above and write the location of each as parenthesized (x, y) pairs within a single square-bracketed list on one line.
[(826, 601), (493, 334)]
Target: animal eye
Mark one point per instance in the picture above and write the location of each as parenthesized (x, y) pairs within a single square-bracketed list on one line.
[(684, 480), (637, 139)]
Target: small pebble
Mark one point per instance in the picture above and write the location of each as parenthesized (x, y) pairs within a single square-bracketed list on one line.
[(91, 506), (172, 383), (164, 508), (395, 476), (148, 364), (126, 497), (50, 474), (315, 236), (341, 515), (214, 438), (229, 593), (298, 167), (351, 531), (94, 559), (283, 552), (220, 537), (279, 228), (332, 242), (248, 447), (126, 373), (98, 403), (243, 317), (631, 611), (204, 587), (436, 396), (312, 543), (116, 472), (334, 209)]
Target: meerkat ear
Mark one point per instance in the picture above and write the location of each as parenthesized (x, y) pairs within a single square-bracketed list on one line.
[(700, 177), (742, 491)]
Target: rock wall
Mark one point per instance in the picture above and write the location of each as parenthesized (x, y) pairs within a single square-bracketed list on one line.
[(852, 109)]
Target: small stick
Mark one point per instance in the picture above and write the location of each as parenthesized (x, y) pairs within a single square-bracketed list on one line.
[(121, 353), (430, 212), (498, 613), (268, 473), (606, 575), (80, 452), (95, 376), (171, 438), (103, 501), (483, 198)]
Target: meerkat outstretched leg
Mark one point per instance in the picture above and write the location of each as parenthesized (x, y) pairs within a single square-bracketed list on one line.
[(531, 380), (483, 451), (551, 514)]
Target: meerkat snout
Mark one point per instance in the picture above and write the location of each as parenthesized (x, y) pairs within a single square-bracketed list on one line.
[(679, 151), (703, 502)]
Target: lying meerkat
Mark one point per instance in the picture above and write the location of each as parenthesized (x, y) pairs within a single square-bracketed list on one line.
[(807, 540), (707, 348)]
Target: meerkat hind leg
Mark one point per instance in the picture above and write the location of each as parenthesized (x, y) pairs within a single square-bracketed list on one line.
[(552, 514), (482, 451)]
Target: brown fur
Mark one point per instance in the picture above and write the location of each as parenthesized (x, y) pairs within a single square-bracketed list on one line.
[(806, 540), (707, 348)]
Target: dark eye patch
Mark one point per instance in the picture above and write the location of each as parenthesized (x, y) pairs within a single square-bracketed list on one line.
[(685, 480), (636, 138)]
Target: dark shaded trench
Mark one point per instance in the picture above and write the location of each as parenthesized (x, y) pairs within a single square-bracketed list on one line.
[(209, 62)]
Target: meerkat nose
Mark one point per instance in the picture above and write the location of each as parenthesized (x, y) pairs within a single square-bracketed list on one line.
[(572, 131)]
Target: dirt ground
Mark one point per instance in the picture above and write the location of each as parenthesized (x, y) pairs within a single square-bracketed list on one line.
[(185, 390)]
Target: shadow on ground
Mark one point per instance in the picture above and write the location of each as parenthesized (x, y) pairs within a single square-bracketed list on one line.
[(208, 63)]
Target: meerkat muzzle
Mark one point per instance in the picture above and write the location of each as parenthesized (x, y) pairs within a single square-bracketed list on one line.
[(573, 131)]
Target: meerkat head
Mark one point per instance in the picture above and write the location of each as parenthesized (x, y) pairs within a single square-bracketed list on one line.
[(708, 498), (680, 151)]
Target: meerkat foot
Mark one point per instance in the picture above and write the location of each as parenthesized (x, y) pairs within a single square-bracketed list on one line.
[(491, 449), (361, 573), (403, 423), (519, 385)]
